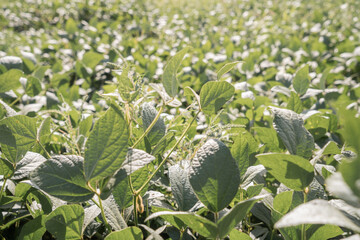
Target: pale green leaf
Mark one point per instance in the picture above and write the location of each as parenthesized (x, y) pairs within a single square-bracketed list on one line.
[(130, 233), (226, 68), (214, 95), (301, 80)]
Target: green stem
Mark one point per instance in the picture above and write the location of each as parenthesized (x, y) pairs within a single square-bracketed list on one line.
[(102, 212), (303, 230), (150, 126), (168, 155), (2, 188), (2, 227), (43, 148), (135, 210)]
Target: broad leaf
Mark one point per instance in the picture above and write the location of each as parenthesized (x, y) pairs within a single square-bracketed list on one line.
[(91, 59), (226, 68), (293, 171), (26, 165), (292, 132), (148, 114), (294, 103), (180, 186), (244, 145), (170, 81), (33, 229), (235, 215), (214, 188), (6, 168), (136, 159), (90, 213), (199, 224), (107, 146), (10, 80), (323, 232), (9, 111), (65, 222), (23, 129), (214, 95), (130, 233), (33, 86), (63, 177), (113, 215), (70, 26), (316, 212), (237, 235), (301, 80)]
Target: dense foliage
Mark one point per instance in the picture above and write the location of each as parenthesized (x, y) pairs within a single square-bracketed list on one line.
[(180, 119)]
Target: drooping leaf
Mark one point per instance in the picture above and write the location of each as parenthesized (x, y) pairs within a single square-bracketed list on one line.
[(90, 213), (65, 222), (180, 186), (169, 79), (107, 146), (9, 111), (6, 168), (214, 95), (62, 176), (113, 215), (33, 229), (226, 68), (214, 188), (316, 212), (26, 165), (11, 62), (235, 215), (136, 159), (148, 114), (294, 103), (292, 132), (130, 233), (293, 171), (199, 224), (301, 80)]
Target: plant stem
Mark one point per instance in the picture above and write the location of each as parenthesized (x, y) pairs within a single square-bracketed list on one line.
[(303, 230), (102, 212), (2, 188), (168, 155), (43, 148), (149, 127), (135, 210)]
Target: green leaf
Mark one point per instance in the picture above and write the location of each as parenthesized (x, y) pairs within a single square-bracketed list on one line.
[(148, 114), (282, 202), (190, 91), (130, 233), (33, 229), (199, 224), (301, 80), (290, 127), (113, 215), (293, 171), (214, 188), (324, 232), (169, 79), (6, 168), (10, 80), (214, 95), (62, 176), (268, 136), (107, 146), (23, 129), (316, 212), (26, 165), (70, 26), (294, 103), (91, 59), (9, 111), (180, 186), (235, 215), (237, 235), (323, 78), (226, 68), (33, 86), (11, 62), (65, 222), (243, 147)]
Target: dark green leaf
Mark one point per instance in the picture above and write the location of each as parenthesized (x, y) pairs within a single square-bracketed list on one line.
[(107, 146), (214, 188), (63, 177), (33, 86), (148, 114), (33, 229), (6, 168)]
